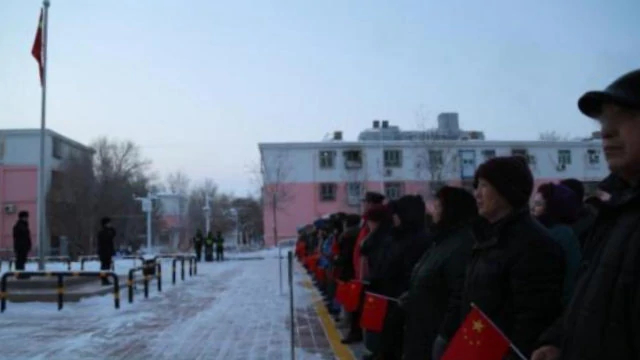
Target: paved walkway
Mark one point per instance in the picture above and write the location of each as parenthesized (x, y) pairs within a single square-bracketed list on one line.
[(231, 310)]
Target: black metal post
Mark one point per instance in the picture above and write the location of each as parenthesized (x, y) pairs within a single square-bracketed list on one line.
[(130, 285), (60, 291), (173, 271), (291, 308), (159, 276), (190, 266), (182, 268), (146, 286), (116, 290), (3, 291)]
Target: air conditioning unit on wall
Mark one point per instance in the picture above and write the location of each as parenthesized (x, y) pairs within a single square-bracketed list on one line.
[(388, 172), (561, 167), (10, 208)]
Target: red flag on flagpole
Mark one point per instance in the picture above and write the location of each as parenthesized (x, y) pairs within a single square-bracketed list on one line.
[(36, 50), (352, 296), (477, 339), (374, 312)]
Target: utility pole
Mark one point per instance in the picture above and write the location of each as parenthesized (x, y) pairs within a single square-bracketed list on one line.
[(147, 207)]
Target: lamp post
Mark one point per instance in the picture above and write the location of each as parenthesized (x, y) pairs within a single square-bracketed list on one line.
[(147, 207), (207, 214)]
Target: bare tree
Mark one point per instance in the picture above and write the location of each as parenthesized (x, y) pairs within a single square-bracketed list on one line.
[(71, 203), (178, 184), (122, 173), (275, 194), (552, 135)]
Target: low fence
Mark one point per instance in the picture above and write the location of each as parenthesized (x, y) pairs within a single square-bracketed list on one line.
[(63, 259), (148, 273), (60, 275), (86, 258)]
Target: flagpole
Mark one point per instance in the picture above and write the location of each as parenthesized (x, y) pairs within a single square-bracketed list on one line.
[(42, 228)]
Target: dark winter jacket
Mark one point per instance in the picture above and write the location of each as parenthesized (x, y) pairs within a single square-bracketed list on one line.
[(106, 247), (515, 276), (603, 317), (345, 258), (433, 303), (567, 239), (21, 237), (584, 223), (378, 249)]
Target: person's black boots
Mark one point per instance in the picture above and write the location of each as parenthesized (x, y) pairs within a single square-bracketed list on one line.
[(352, 338)]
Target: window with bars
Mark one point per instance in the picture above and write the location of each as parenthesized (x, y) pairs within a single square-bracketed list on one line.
[(436, 158), (327, 159), (57, 148), (593, 156), (531, 159), (352, 159), (564, 157), (328, 191), (393, 158), (488, 154), (354, 193), (393, 190)]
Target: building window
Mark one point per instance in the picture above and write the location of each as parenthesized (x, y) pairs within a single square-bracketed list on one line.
[(393, 191), (328, 192), (393, 158), (593, 156), (564, 157), (436, 158), (354, 193), (327, 159), (488, 154), (57, 148), (531, 160), (352, 159)]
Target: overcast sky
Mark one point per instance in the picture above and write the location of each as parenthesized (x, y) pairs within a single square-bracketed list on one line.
[(199, 83)]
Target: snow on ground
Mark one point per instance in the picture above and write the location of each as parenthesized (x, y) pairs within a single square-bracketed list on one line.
[(230, 310)]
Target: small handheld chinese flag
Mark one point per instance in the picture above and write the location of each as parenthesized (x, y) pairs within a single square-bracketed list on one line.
[(352, 296), (374, 312), (477, 339), (342, 291)]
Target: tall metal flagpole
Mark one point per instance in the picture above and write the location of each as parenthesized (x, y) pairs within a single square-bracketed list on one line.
[(42, 227)]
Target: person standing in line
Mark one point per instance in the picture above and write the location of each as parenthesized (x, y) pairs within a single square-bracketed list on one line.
[(219, 247), (208, 247), (106, 247), (602, 320), (198, 241), (21, 240)]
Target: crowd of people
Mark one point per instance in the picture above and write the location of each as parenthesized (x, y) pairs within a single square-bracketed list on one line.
[(556, 271)]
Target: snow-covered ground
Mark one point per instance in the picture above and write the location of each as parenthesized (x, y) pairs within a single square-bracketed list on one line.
[(230, 310)]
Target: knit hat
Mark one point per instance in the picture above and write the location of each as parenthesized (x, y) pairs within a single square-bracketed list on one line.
[(562, 204), (510, 176)]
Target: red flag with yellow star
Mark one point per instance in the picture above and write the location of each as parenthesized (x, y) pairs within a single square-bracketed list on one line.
[(374, 312), (477, 339), (352, 296), (36, 50)]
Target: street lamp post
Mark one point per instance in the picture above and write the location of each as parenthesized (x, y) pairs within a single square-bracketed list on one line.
[(207, 214), (147, 207)]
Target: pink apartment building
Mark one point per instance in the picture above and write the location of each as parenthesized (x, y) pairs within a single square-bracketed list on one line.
[(304, 181), (19, 159)]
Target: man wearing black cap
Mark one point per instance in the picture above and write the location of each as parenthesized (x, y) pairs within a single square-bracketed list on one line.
[(21, 240), (106, 247), (603, 318)]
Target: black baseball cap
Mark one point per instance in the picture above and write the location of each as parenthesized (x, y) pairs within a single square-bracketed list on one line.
[(624, 91)]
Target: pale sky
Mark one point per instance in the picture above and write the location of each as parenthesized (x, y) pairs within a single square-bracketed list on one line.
[(199, 83)]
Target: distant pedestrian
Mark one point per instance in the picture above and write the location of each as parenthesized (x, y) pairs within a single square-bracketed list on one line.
[(198, 241), (219, 247), (208, 247), (106, 247), (21, 240)]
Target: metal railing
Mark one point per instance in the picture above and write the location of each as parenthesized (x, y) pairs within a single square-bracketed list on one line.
[(64, 259), (86, 258), (60, 289), (146, 278), (193, 266)]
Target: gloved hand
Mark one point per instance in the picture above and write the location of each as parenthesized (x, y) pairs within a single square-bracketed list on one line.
[(439, 347)]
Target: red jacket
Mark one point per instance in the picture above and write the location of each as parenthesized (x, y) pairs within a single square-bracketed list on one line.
[(357, 266)]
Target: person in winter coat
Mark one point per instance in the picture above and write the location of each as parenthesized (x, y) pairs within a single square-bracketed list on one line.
[(208, 247), (556, 207), (347, 245), (377, 249), (21, 240), (106, 246), (432, 304), (219, 246), (586, 214), (409, 242), (602, 320), (516, 272), (370, 199), (198, 241)]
